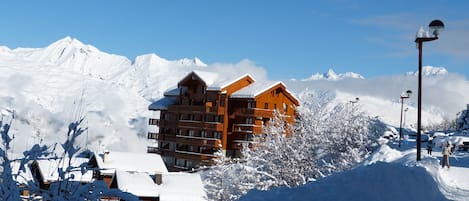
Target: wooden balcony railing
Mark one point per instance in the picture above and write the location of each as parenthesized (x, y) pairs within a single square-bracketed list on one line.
[(198, 141), (247, 128), (193, 156), (202, 125), (152, 121), (152, 135), (182, 108)]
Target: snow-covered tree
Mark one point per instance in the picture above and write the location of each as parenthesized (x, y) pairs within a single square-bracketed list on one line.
[(326, 138)]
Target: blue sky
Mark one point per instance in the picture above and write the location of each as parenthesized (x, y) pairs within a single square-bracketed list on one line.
[(290, 39)]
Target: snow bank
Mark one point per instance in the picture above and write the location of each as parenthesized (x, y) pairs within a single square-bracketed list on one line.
[(379, 181)]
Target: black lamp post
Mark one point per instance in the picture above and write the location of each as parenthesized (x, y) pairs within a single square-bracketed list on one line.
[(403, 96), (424, 36)]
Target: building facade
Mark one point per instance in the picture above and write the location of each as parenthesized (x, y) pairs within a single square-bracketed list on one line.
[(208, 112)]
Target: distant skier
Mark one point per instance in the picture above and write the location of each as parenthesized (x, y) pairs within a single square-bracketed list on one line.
[(446, 152), (429, 147)]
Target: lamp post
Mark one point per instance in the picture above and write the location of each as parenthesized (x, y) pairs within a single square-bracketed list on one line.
[(354, 101), (404, 95), (424, 36), (405, 114)]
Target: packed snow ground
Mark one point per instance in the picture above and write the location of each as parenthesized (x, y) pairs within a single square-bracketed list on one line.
[(391, 173)]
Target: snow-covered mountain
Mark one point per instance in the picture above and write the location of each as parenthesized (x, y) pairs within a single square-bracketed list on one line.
[(49, 87), (429, 71), (331, 75)]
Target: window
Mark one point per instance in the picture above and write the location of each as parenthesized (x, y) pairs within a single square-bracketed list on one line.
[(217, 135), (180, 162), (191, 132), (251, 104), (249, 120), (285, 107), (266, 105), (203, 133), (275, 106)]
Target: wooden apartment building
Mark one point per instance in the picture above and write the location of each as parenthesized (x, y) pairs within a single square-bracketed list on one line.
[(209, 111)]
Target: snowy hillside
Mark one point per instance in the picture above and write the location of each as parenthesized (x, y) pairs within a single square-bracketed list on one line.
[(51, 86)]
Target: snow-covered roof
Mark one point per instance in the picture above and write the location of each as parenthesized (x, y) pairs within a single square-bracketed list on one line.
[(257, 88), (137, 183), (254, 89), (134, 162), (49, 169), (180, 186), (22, 177), (162, 104), (175, 186), (216, 81)]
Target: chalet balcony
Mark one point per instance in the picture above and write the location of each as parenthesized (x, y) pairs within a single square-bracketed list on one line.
[(152, 135), (253, 112), (247, 128), (201, 124), (152, 150), (187, 108), (166, 137), (194, 156), (217, 110), (198, 141), (238, 144), (152, 121)]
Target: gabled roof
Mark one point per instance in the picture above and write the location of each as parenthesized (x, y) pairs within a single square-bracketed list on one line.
[(134, 162), (215, 81), (258, 88), (48, 168)]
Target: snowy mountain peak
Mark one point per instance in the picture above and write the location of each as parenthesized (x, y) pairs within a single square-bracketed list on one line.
[(192, 62), (430, 71), (333, 76)]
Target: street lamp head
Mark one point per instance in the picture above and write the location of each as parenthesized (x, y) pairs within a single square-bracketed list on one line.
[(435, 27), (406, 94)]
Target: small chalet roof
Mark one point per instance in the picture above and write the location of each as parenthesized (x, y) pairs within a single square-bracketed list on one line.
[(133, 162), (180, 186), (48, 169), (137, 183), (22, 177), (162, 104), (216, 81)]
